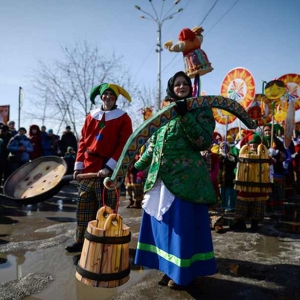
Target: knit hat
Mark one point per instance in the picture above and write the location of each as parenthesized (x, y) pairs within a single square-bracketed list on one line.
[(277, 127), (251, 138), (115, 89), (268, 125), (254, 139)]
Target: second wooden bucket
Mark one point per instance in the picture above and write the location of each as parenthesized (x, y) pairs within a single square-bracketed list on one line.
[(104, 260)]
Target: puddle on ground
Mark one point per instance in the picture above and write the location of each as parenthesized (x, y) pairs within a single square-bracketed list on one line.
[(270, 243), (65, 285)]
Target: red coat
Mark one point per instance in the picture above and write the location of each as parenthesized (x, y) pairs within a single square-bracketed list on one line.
[(103, 137), (213, 165), (36, 141)]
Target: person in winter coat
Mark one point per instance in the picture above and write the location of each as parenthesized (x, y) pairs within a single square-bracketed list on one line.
[(70, 157), (20, 148), (68, 139), (4, 165), (175, 235), (50, 144), (103, 137), (35, 138)]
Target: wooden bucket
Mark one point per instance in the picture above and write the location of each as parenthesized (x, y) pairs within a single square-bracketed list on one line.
[(104, 260)]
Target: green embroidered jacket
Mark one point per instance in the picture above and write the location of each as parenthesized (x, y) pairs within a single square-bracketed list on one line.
[(174, 155)]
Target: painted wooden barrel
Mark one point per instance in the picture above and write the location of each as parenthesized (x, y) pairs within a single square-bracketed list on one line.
[(104, 260), (253, 171)]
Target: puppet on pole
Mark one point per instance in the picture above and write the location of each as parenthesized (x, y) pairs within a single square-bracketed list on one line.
[(195, 60)]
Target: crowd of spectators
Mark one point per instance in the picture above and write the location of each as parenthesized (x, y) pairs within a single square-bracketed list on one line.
[(17, 147)]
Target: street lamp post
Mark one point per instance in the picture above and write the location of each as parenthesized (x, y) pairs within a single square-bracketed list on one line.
[(20, 105), (159, 20)]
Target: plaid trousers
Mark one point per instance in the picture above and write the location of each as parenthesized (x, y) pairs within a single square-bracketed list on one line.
[(89, 201), (250, 209)]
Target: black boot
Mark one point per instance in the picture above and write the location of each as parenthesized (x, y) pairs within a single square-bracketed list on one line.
[(238, 225), (130, 203), (138, 204), (254, 226), (76, 247)]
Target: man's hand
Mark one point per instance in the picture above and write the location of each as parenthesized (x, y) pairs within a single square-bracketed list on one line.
[(103, 172), (272, 152), (76, 173)]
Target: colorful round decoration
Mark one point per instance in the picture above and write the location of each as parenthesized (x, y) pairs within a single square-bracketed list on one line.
[(260, 109), (292, 82), (238, 85)]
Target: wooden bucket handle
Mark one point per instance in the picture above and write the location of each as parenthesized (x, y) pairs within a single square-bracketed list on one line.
[(102, 215), (101, 211), (110, 219)]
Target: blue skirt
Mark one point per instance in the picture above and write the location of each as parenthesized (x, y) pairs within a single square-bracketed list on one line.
[(180, 245)]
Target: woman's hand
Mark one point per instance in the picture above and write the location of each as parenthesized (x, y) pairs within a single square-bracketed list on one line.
[(103, 172), (134, 170), (181, 107)]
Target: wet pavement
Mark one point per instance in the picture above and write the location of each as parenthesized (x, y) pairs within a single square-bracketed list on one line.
[(34, 264)]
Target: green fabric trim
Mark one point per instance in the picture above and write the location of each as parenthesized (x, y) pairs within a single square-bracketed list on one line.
[(173, 259)]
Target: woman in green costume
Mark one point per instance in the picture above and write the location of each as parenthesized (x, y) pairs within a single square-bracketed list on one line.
[(175, 235)]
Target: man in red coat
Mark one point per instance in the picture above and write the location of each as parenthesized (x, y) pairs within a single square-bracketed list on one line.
[(103, 136)]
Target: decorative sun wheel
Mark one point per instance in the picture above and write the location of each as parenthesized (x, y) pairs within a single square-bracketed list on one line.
[(292, 82), (238, 85), (292, 98)]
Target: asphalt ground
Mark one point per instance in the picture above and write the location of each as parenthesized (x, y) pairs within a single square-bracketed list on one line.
[(34, 264)]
